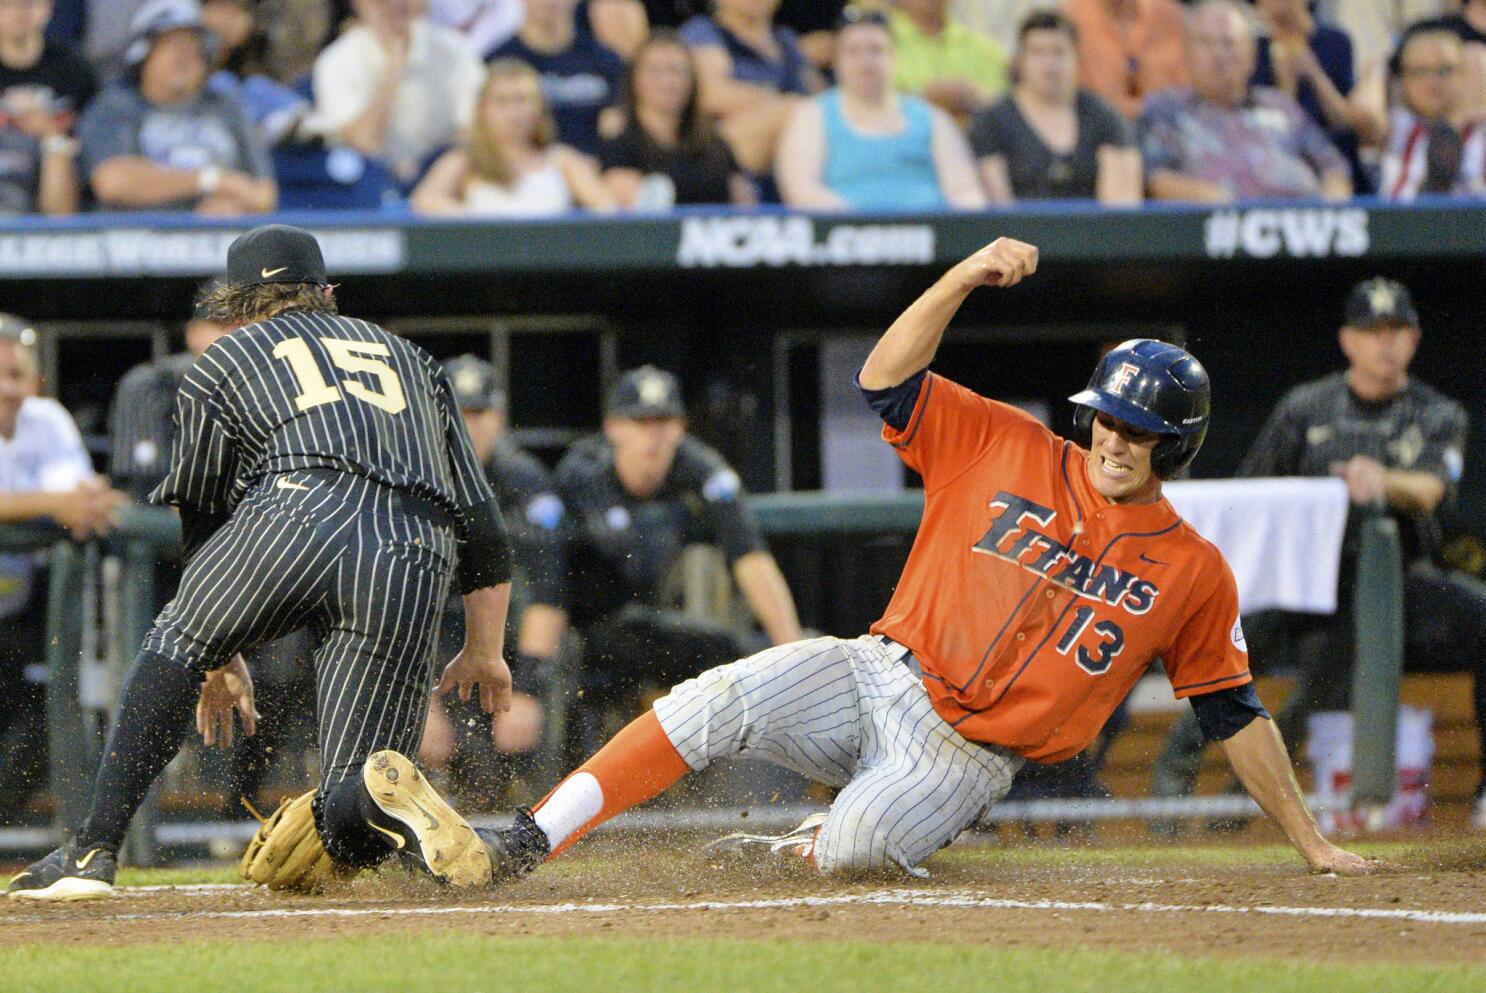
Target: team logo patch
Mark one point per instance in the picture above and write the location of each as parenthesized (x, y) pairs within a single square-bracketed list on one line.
[(1127, 372), (1238, 638), (468, 380), (1454, 464), (722, 487), (544, 511)]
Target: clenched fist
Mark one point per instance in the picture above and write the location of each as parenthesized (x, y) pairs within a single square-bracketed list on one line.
[(1004, 262)]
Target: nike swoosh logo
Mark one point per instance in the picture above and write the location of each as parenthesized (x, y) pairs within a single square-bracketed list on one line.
[(433, 822), (1146, 558), (285, 484), (87, 859), (269, 273), (397, 839)]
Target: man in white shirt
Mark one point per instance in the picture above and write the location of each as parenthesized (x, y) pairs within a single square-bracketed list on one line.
[(395, 87), (44, 473)]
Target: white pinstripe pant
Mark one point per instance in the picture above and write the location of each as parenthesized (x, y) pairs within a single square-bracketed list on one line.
[(340, 559), (848, 714)]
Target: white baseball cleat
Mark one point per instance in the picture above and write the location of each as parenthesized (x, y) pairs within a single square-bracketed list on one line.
[(800, 840), (1478, 816)]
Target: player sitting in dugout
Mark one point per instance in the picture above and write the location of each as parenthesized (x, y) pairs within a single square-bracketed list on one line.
[(635, 496), (459, 733), (1044, 579)]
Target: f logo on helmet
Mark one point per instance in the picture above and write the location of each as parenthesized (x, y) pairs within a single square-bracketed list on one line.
[(1127, 372)]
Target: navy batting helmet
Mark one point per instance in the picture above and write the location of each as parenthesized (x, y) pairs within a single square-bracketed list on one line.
[(1154, 386)]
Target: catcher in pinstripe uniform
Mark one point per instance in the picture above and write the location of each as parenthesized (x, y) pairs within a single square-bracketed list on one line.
[(326, 483)]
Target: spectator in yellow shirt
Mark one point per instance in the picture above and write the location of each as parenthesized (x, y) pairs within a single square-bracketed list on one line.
[(943, 61)]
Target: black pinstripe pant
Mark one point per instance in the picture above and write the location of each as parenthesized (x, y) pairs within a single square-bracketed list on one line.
[(353, 563)]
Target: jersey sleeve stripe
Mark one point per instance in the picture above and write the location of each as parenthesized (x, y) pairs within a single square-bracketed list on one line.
[(1237, 679), (918, 413)]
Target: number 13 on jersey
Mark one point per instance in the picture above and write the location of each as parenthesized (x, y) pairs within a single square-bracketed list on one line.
[(1111, 642), (350, 356)]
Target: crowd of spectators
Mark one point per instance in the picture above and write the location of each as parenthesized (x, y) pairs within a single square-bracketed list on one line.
[(538, 107)]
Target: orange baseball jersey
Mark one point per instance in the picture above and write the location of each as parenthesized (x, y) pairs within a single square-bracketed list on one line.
[(1032, 602)]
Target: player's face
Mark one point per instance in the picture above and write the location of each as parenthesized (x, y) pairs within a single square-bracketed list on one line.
[(19, 379), (1120, 461), (1380, 355), (644, 449), (1431, 70), (663, 78), (485, 428), (1049, 64), (864, 59)]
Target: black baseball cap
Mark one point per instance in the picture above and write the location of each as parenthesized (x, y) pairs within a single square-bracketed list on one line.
[(644, 393), (1379, 301), (275, 253), (474, 383)]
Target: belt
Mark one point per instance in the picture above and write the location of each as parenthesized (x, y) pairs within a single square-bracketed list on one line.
[(899, 652), (402, 501), (904, 654)]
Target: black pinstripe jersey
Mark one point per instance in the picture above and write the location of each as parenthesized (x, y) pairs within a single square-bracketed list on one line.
[(308, 390)]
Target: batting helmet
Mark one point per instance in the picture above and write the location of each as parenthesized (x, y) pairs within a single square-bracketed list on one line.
[(1156, 387)]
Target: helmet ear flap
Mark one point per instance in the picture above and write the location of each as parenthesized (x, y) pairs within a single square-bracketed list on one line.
[(1083, 422), (1166, 457)]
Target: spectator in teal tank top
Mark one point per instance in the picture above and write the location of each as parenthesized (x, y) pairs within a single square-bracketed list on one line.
[(863, 146)]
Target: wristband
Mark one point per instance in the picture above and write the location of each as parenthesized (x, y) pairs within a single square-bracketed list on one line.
[(208, 179)]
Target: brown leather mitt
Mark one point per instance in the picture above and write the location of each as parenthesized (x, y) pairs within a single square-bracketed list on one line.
[(286, 853)]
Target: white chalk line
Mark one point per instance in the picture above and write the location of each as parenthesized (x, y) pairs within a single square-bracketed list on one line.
[(932, 899)]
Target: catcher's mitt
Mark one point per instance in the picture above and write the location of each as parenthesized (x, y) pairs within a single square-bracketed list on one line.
[(287, 854)]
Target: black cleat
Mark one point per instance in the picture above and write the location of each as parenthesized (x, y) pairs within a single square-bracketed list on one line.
[(518, 849), (420, 825), (67, 875)]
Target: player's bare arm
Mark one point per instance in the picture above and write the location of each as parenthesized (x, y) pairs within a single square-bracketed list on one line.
[(481, 662), (913, 339), (768, 596), (1258, 756)]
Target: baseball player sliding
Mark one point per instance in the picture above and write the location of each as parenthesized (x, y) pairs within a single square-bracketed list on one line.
[(1044, 579), (326, 481)]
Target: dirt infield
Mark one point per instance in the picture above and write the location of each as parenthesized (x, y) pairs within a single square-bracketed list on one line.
[(1431, 907)]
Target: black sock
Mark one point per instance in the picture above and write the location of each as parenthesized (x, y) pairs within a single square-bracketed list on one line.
[(151, 725), (342, 811)]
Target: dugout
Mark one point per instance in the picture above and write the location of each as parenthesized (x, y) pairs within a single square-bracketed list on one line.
[(749, 309)]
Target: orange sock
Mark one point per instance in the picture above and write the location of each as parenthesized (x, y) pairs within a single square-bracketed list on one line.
[(637, 764)]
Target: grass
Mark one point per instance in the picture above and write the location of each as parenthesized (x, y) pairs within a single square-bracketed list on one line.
[(465, 964)]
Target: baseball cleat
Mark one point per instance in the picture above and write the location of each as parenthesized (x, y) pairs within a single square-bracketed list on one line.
[(1478, 816), (518, 849), (420, 824), (800, 840), (64, 876)]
